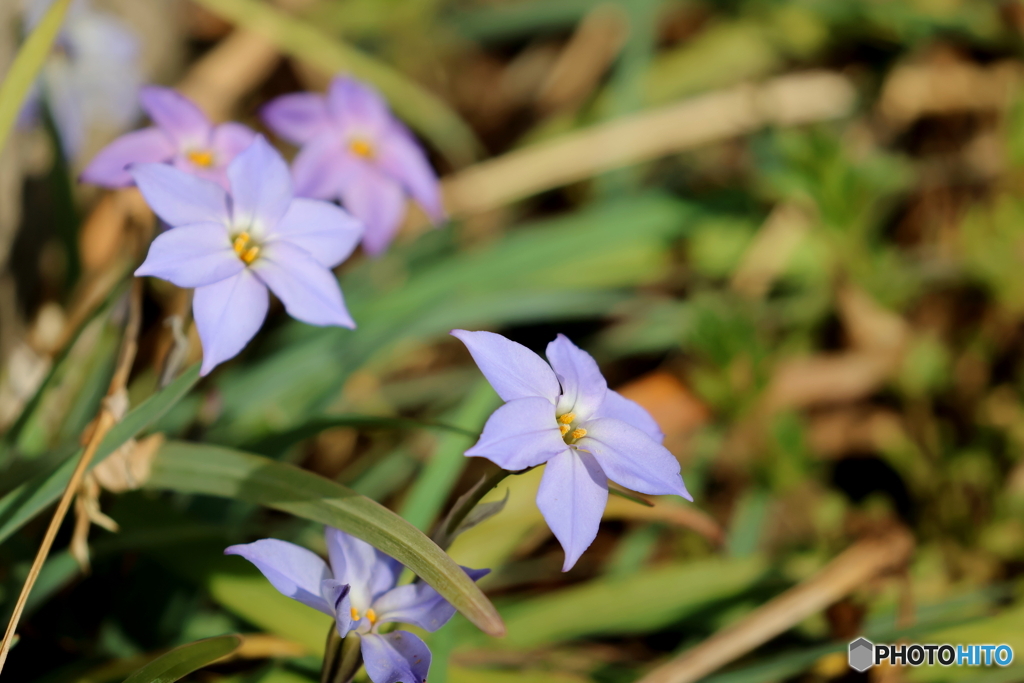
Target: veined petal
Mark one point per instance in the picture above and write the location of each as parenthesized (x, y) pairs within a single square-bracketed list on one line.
[(396, 657), (229, 140), (338, 596), (572, 496), (308, 290), (583, 385), (298, 117), (370, 572), (228, 314), (520, 434), (621, 408), (512, 369), (109, 167), (192, 256), (261, 187), (291, 569), (179, 116), (401, 158), (327, 232), (179, 198), (419, 604), (322, 168), (355, 103), (632, 458), (378, 201)]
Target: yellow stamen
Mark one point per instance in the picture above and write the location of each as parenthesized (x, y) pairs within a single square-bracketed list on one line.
[(200, 157), (579, 433), (246, 250), (564, 429), (372, 616), (567, 418), (361, 147), (355, 614)]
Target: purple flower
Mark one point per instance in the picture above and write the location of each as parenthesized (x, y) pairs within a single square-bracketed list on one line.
[(565, 415), (92, 76), (182, 136), (355, 151), (231, 248), (358, 590)]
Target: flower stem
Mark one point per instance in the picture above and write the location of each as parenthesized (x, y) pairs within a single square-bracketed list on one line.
[(342, 657), (446, 531)]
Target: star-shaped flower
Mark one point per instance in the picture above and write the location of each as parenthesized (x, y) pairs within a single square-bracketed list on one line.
[(355, 151), (564, 414), (231, 248), (182, 136), (358, 589)]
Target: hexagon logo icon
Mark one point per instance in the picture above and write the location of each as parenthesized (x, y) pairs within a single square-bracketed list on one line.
[(862, 654)]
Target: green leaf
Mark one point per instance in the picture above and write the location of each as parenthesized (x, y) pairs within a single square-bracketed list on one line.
[(272, 444), (431, 489), (215, 471), (638, 603), (29, 499), (424, 111), (29, 61), (181, 661)]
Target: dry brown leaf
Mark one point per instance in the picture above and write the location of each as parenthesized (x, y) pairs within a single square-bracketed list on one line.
[(676, 410), (835, 433), (832, 378), (128, 468)]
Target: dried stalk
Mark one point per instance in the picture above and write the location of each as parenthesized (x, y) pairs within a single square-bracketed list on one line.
[(110, 410), (857, 565)]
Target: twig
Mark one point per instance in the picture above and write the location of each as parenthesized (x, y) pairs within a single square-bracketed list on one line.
[(110, 411), (860, 563), (786, 101)]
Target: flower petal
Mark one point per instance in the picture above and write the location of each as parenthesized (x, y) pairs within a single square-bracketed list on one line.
[(177, 115), (338, 596), (370, 572), (308, 290), (621, 408), (401, 158), (583, 385), (327, 232), (512, 369), (291, 569), (632, 458), (355, 103), (179, 198), (322, 168), (192, 256), (378, 202), (572, 495), (109, 167), (520, 434), (298, 117), (396, 657), (261, 187), (229, 140), (419, 604), (228, 314)]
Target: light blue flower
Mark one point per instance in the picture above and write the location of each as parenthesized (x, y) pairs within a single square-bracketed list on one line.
[(355, 151), (233, 247), (564, 414), (358, 590), (91, 77)]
